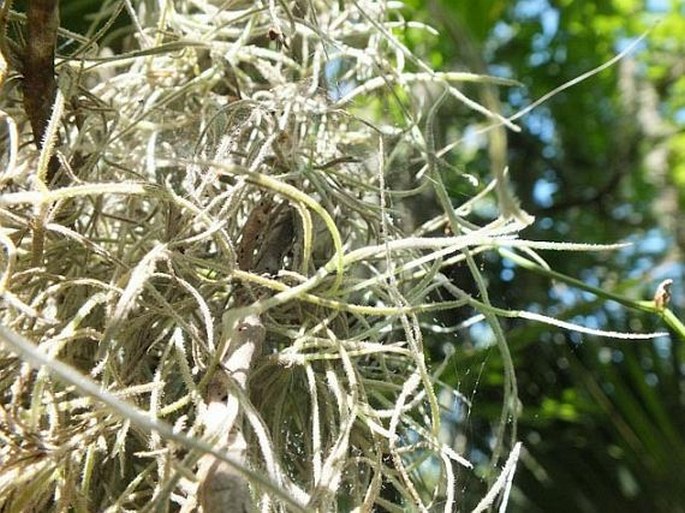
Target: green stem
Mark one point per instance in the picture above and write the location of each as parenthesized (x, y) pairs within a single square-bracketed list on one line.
[(644, 306)]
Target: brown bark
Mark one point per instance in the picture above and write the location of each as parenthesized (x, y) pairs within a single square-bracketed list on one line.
[(39, 84)]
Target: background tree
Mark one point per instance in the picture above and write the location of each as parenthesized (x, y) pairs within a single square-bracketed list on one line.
[(598, 162)]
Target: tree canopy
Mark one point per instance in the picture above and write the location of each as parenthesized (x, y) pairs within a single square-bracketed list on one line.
[(598, 162)]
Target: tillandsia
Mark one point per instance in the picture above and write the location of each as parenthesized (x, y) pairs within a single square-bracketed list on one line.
[(223, 295)]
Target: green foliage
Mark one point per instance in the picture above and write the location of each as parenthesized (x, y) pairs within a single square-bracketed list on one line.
[(606, 161)]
